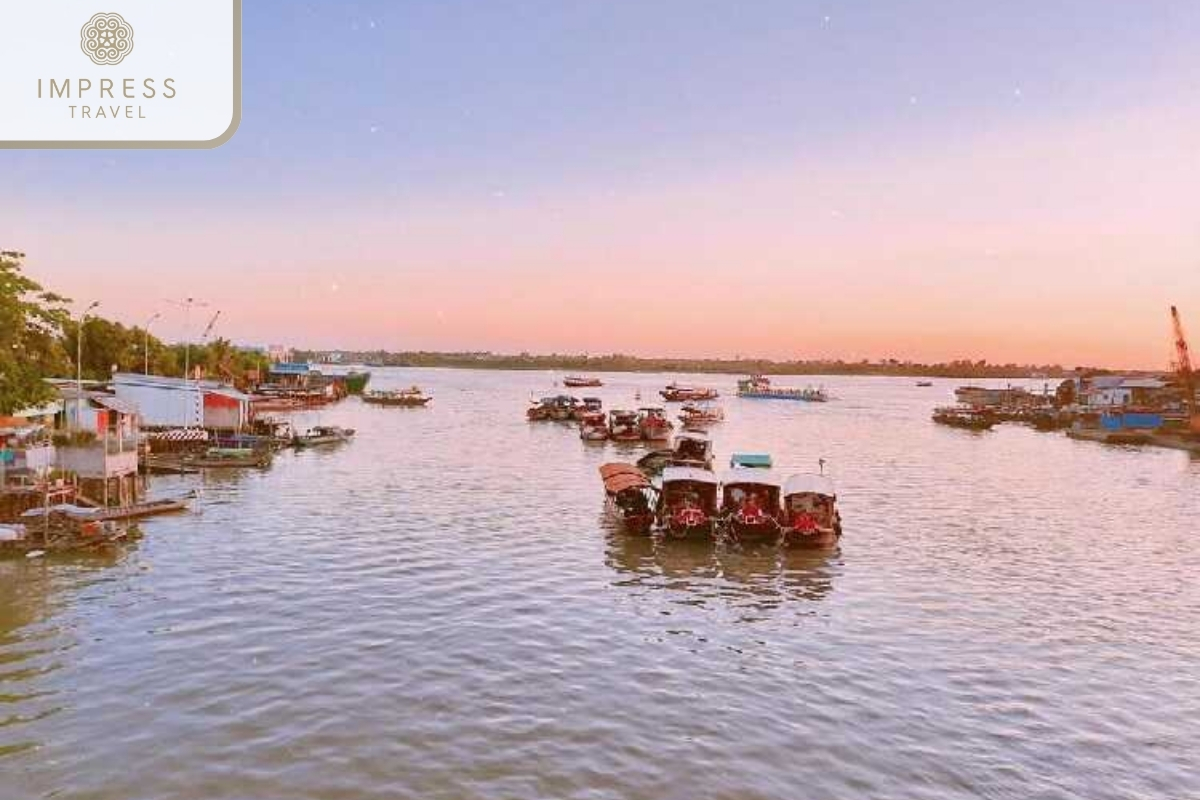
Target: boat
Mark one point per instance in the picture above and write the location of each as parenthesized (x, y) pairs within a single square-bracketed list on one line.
[(559, 407), (687, 503), (628, 494), (974, 419), (692, 449), (580, 382), (924, 384), (147, 508), (412, 397), (700, 415), (654, 425), (810, 514), (758, 387), (677, 393), (562, 407), (589, 405), (323, 435), (210, 458), (593, 427), (623, 426), (750, 460), (539, 410), (750, 504)]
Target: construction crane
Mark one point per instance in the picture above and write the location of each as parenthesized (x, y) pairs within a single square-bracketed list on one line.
[(1183, 365)]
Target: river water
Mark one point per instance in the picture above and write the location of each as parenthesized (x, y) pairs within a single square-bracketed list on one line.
[(440, 609)]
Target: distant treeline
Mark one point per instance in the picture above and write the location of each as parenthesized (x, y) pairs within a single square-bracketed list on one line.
[(741, 366)]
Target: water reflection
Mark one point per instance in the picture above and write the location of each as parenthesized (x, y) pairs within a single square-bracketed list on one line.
[(760, 577)]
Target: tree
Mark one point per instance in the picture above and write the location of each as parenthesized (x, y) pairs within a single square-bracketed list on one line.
[(31, 322)]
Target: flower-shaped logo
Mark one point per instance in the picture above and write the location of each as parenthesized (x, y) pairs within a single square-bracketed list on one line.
[(106, 38)]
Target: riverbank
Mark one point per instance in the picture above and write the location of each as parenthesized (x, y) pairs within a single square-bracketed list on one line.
[(960, 369)]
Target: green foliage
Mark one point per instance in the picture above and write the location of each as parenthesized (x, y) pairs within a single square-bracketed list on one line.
[(31, 322)]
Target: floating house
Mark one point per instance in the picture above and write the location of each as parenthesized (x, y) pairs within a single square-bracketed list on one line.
[(180, 403)]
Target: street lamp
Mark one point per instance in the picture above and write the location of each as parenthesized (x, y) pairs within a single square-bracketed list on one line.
[(79, 364), (146, 347)]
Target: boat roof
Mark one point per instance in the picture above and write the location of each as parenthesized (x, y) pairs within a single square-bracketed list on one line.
[(757, 460), (617, 468), (620, 481), (696, 436), (810, 484), (750, 476), (674, 474)]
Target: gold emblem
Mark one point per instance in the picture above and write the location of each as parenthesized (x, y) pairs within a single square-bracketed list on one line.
[(106, 38)]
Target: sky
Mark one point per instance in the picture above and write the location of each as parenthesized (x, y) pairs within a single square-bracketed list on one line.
[(923, 180)]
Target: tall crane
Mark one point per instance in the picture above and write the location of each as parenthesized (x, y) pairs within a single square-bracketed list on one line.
[(1183, 364)]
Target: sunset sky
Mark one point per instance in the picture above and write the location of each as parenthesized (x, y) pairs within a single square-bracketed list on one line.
[(1016, 181)]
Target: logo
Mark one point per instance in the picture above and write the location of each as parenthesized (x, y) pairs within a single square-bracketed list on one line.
[(106, 38)]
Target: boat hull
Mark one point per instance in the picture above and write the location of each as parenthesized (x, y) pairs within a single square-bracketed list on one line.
[(753, 532)]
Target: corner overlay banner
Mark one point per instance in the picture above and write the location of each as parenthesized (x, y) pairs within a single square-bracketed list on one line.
[(120, 73)]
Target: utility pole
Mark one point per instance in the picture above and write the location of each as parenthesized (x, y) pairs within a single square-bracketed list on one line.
[(187, 304), (146, 343), (79, 364)]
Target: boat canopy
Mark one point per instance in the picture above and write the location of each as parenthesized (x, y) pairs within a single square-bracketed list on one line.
[(809, 484), (695, 436), (755, 460), (747, 476), (678, 474), (615, 484), (619, 468)]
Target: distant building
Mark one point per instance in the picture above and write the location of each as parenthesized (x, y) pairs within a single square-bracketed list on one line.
[(178, 403), (1118, 391), (278, 352)]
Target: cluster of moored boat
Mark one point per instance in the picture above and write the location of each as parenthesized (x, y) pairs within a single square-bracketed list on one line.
[(747, 503)]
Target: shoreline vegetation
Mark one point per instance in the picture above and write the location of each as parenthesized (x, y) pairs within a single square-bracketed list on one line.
[(735, 366)]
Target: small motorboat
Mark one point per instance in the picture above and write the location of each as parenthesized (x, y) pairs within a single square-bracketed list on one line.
[(750, 504), (810, 514), (924, 384), (323, 435), (965, 417), (628, 496), (593, 427), (623, 426), (677, 393), (580, 382), (412, 397), (654, 425), (687, 505)]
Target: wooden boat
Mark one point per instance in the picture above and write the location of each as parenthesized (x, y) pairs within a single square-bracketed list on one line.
[(687, 504), (210, 458), (54, 530), (810, 514), (593, 427), (579, 382), (750, 504), (692, 449), (628, 494), (696, 415), (623, 426), (405, 398), (588, 405), (974, 419), (924, 384), (323, 435), (758, 387), (654, 425), (539, 410), (563, 407), (677, 393)]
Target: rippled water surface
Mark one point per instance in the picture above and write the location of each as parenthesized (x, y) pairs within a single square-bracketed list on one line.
[(439, 609)]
